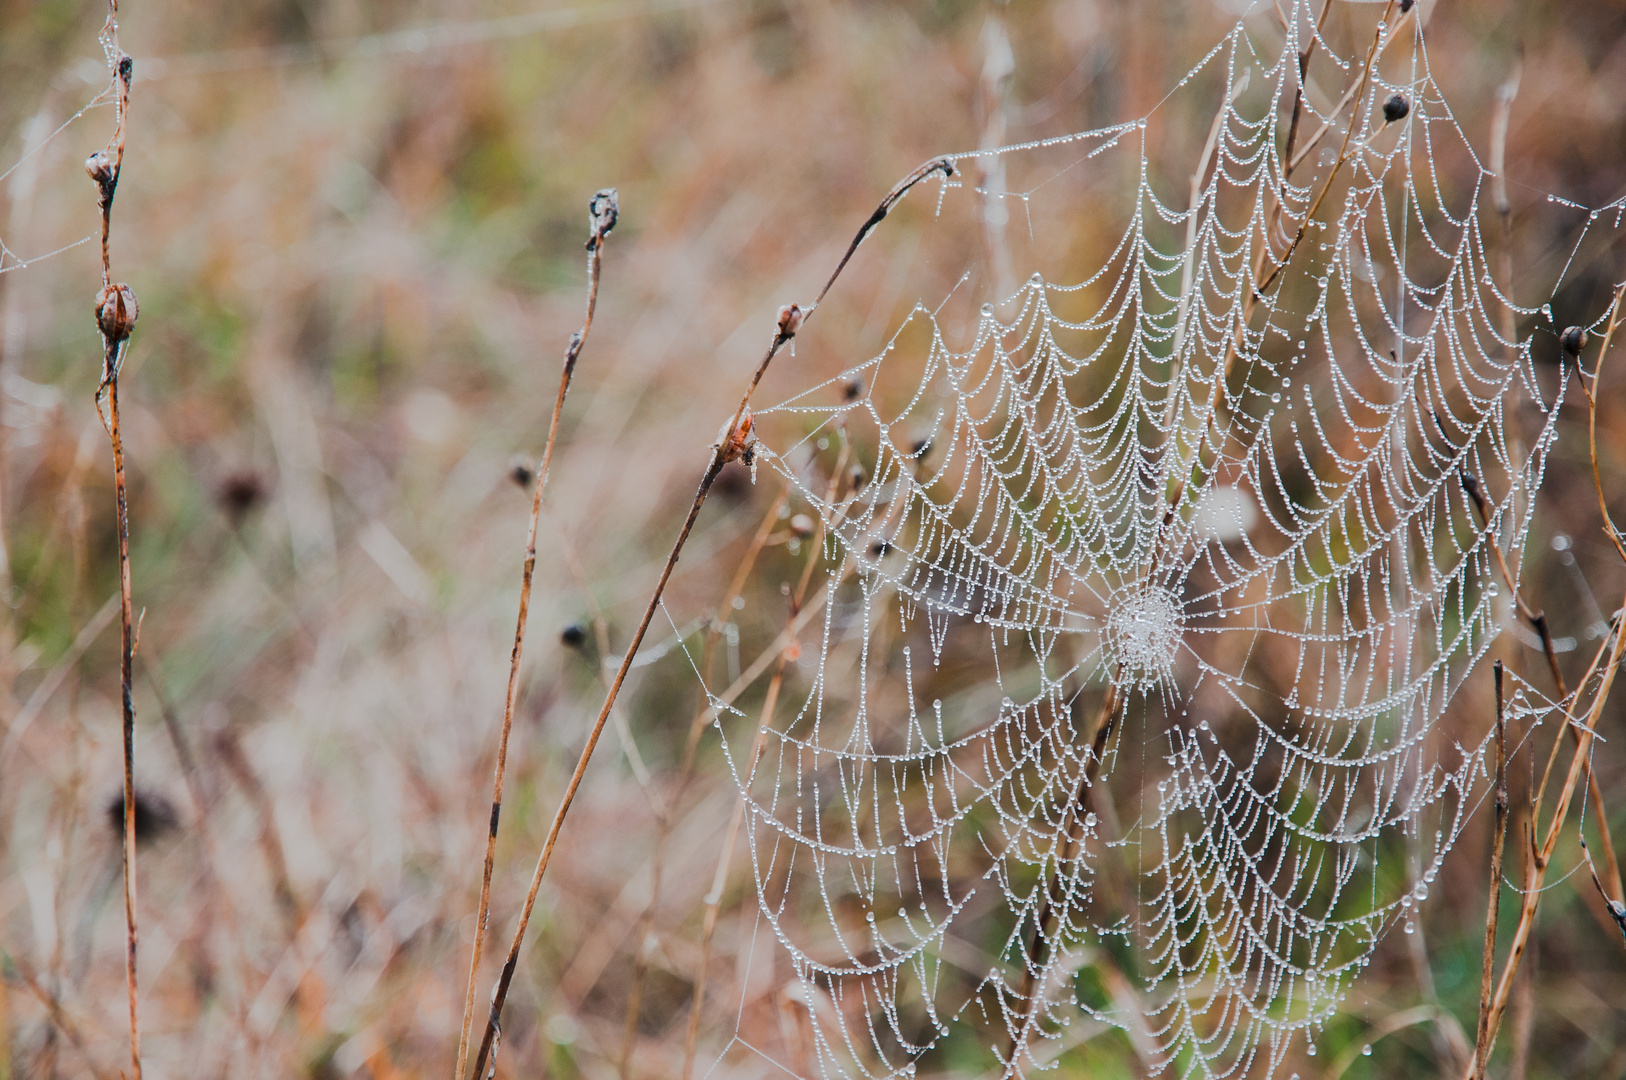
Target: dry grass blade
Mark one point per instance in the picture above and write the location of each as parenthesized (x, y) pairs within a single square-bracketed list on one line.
[(1498, 842), (603, 211)]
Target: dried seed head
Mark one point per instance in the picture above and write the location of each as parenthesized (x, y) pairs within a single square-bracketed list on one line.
[(739, 444), (1405, 5), (240, 492), (603, 210), (155, 816), (801, 525), (116, 312), (790, 320), (573, 636), (1396, 108), (99, 167), (1573, 340)]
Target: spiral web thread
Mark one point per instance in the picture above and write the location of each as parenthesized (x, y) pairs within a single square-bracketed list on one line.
[(1230, 541)]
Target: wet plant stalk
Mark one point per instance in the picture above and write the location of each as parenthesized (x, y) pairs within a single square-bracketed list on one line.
[(603, 211)]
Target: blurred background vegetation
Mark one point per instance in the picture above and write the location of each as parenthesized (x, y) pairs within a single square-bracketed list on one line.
[(355, 229)]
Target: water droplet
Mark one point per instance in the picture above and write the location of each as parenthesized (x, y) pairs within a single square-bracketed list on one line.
[(1036, 280), (1302, 343), (1310, 1049), (1275, 399), (902, 914), (1422, 893), (1287, 384), (1411, 928), (1203, 726), (869, 916), (1089, 820), (987, 311), (1366, 1051)]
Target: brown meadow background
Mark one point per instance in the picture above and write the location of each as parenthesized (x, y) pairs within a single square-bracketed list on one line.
[(356, 231)]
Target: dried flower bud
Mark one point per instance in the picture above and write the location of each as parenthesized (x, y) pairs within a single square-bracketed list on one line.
[(603, 210), (739, 444), (1396, 108), (99, 167), (116, 312), (1573, 340), (801, 525), (790, 320)]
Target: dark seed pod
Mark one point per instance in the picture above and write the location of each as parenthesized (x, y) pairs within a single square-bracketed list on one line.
[(520, 473), (1405, 5), (155, 817), (116, 312), (1573, 340), (240, 492), (853, 390), (573, 636), (1396, 108)]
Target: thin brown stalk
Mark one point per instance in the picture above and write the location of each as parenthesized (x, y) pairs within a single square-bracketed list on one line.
[(725, 859), (1078, 806), (115, 318), (1538, 623), (737, 443), (719, 880), (603, 210), (1540, 857), (1298, 96), (1498, 842), (1357, 91), (1543, 854)]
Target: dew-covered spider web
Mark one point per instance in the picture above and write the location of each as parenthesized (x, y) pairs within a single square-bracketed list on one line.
[(1145, 582)]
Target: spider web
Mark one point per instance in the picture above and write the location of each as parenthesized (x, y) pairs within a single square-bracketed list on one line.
[(1152, 583)]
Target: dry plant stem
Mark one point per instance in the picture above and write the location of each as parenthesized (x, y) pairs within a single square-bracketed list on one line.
[(1076, 809), (1359, 90), (1298, 96), (603, 211), (714, 899), (732, 446), (1254, 295), (719, 881), (1498, 842), (1538, 622), (115, 318)]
